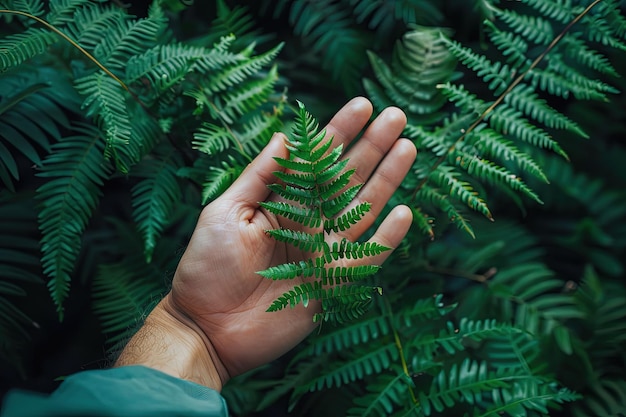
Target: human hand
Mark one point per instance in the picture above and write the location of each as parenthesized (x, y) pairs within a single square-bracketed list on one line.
[(216, 290)]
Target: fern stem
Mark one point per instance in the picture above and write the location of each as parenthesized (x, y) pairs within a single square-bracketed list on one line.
[(70, 40), (506, 92), (398, 343)]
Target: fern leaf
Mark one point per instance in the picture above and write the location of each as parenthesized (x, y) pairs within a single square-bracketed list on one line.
[(430, 196), (536, 29), (121, 295), (63, 11), (465, 382), (247, 97), (523, 98), (155, 197), (462, 190), (76, 171), (317, 181), (340, 275), (218, 180), (497, 75), (360, 364), (300, 294), (347, 219), (491, 143), (347, 302), (107, 103), (420, 62), (384, 394), (490, 172), (335, 205), (560, 10), (211, 139), (125, 39), (291, 270), (355, 250), (346, 337), (20, 47), (89, 22), (305, 216), (305, 241), (239, 72)]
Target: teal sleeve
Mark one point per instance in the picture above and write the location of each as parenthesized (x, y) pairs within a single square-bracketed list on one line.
[(128, 391)]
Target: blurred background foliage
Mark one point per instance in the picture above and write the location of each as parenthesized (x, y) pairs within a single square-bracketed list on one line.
[(513, 271)]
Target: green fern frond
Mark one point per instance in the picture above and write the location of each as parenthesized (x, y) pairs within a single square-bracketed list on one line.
[(306, 216), (419, 63), (455, 338), (465, 382), (319, 183), (211, 139), (290, 271), (106, 102), (527, 397), (89, 22), (535, 29), (125, 39), (218, 180), (383, 395), (560, 10), (452, 183), (346, 337), (242, 100), (234, 74), (489, 172), (20, 47), (161, 67), (76, 170), (577, 49), (496, 75), (237, 21), (342, 274), (62, 11), (31, 117), (523, 98), (121, 296), (429, 196), (607, 398), (155, 197), (348, 218), (359, 364), (329, 28), (305, 241), (32, 7), (491, 143), (300, 294)]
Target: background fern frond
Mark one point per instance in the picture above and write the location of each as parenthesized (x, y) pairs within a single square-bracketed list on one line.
[(76, 168)]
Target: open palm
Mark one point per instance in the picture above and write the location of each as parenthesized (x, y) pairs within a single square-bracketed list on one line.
[(216, 284)]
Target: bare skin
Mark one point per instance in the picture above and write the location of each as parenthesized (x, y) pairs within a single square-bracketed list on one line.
[(213, 324)]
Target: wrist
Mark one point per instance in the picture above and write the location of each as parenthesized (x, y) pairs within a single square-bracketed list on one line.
[(171, 343)]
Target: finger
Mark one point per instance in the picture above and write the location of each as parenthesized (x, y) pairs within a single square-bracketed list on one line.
[(251, 186), (382, 184), (391, 232), (379, 137), (349, 121)]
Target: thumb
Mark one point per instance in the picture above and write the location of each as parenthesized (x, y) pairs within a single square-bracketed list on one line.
[(251, 186)]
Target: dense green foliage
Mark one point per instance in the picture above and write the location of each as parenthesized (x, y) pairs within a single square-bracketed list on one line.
[(506, 298)]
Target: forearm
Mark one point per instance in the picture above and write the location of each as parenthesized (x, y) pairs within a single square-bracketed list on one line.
[(167, 343)]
